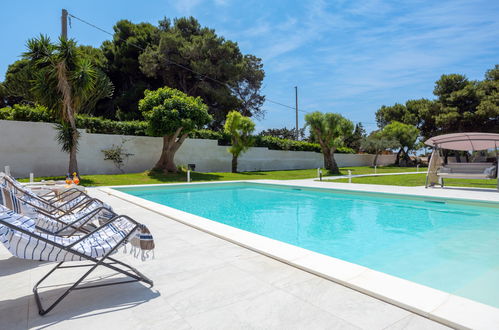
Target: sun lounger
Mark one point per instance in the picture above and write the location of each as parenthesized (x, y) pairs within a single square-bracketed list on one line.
[(73, 202), (62, 223), (18, 234)]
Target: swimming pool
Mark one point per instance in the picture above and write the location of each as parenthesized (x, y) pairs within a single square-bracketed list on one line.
[(448, 245)]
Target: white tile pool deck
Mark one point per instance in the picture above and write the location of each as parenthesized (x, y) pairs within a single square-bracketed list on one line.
[(204, 282)]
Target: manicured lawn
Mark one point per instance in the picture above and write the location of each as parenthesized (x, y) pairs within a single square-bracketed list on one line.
[(149, 177), (380, 169), (155, 177), (418, 180)]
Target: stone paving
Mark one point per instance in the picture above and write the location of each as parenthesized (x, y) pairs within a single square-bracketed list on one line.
[(201, 282)]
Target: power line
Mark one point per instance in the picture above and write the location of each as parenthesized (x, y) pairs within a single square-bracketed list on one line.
[(143, 49), (94, 26), (286, 106), (189, 69), (173, 62)]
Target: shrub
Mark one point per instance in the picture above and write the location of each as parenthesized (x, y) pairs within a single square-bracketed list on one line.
[(206, 134), (23, 112), (222, 137), (345, 150), (6, 113), (39, 113), (275, 143), (117, 154), (107, 126)]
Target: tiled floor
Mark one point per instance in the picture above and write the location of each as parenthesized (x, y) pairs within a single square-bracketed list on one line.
[(201, 282)]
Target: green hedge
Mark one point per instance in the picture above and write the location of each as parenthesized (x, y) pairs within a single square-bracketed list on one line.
[(206, 134), (22, 112), (106, 126), (39, 113), (275, 143)]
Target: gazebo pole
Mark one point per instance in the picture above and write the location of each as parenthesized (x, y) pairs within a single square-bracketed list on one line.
[(432, 167), (429, 169), (497, 165), (440, 179)]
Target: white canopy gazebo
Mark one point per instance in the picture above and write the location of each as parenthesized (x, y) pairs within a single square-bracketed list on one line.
[(437, 170)]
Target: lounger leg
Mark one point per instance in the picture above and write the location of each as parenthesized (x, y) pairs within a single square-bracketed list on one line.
[(142, 277), (136, 277), (41, 310)]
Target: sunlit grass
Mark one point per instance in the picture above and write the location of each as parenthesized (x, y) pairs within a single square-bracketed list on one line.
[(419, 180), (151, 177)]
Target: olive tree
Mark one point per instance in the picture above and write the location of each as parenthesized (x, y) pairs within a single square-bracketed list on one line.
[(376, 142), (239, 128), (330, 130), (406, 135), (172, 114)]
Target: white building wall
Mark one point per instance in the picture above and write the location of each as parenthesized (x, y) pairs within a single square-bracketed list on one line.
[(31, 147)]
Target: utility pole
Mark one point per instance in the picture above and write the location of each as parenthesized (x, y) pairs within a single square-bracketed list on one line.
[(296, 108), (64, 24)]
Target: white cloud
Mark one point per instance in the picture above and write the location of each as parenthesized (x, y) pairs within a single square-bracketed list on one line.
[(408, 51), (186, 7), (354, 56)]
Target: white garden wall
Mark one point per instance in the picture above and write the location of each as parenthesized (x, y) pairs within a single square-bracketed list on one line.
[(31, 147)]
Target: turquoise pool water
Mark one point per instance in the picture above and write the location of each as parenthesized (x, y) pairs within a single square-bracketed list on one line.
[(445, 245)]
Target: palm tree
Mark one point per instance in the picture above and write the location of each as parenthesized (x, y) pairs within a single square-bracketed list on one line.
[(66, 82), (239, 128)]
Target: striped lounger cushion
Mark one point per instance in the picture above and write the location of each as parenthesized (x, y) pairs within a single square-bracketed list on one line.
[(27, 246), (31, 197), (9, 199)]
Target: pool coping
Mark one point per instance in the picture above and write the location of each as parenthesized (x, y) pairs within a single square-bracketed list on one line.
[(440, 306)]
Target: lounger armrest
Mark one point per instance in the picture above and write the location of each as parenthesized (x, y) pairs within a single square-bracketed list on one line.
[(50, 209), (86, 203), (81, 221), (66, 202), (118, 217), (55, 213), (68, 192)]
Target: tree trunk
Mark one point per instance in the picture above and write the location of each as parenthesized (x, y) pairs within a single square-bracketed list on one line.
[(329, 161), (397, 160), (334, 166), (166, 161), (234, 164), (375, 160), (406, 158), (73, 163)]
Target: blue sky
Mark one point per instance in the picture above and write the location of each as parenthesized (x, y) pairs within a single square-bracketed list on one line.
[(348, 57)]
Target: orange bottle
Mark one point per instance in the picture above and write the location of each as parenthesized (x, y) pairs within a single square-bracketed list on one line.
[(68, 180), (76, 180)]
